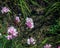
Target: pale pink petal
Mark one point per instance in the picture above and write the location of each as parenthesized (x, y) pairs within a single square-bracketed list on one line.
[(15, 34), (47, 46), (28, 41), (9, 37), (58, 46)]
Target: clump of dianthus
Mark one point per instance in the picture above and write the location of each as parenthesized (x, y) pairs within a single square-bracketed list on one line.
[(29, 23), (47, 46), (5, 10), (12, 33), (31, 40)]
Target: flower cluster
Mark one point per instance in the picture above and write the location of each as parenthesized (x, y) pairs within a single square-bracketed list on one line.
[(29, 22), (5, 10), (47, 46), (12, 33), (31, 41)]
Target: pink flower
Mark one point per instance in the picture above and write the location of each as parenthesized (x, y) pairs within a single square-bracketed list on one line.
[(17, 19), (58, 46), (12, 32), (5, 10), (9, 37), (31, 41), (47, 46), (29, 22)]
